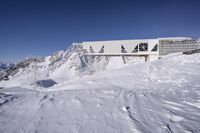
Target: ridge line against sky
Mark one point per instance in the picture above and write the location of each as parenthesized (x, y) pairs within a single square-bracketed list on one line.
[(41, 27)]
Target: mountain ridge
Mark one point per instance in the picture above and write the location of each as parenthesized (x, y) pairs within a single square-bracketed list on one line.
[(63, 65)]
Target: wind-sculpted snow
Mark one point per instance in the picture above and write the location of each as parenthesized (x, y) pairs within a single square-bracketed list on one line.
[(99, 111), (156, 97)]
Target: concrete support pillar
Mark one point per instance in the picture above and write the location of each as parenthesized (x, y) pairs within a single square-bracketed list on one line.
[(123, 59), (146, 58)]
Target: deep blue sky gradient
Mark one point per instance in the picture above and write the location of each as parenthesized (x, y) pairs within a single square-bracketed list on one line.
[(41, 27)]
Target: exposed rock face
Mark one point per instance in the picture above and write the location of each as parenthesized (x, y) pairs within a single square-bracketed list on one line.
[(12, 70)]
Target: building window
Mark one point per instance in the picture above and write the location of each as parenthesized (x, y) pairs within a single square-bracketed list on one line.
[(102, 49), (123, 50), (91, 50), (143, 47), (155, 48), (135, 49)]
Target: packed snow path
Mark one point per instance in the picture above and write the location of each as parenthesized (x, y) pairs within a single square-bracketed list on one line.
[(156, 97)]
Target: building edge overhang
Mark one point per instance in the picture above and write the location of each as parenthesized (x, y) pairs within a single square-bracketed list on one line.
[(160, 38)]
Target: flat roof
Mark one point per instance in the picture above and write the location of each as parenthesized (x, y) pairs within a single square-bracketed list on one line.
[(175, 38), (164, 38)]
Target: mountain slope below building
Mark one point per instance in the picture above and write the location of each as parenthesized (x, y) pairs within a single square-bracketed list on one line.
[(62, 66)]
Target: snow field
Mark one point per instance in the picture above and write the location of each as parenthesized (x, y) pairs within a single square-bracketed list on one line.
[(156, 97)]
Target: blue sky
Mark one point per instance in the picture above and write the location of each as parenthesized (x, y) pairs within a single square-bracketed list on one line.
[(41, 27)]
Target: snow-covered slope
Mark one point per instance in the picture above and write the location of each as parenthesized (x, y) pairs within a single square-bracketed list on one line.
[(155, 97), (62, 66)]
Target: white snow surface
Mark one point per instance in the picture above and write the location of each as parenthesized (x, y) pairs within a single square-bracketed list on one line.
[(162, 96)]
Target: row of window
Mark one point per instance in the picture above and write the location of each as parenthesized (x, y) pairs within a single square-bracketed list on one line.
[(142, 47), (177, 42), (177, 46)]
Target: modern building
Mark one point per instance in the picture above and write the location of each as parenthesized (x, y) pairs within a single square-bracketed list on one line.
[(151, 49)]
